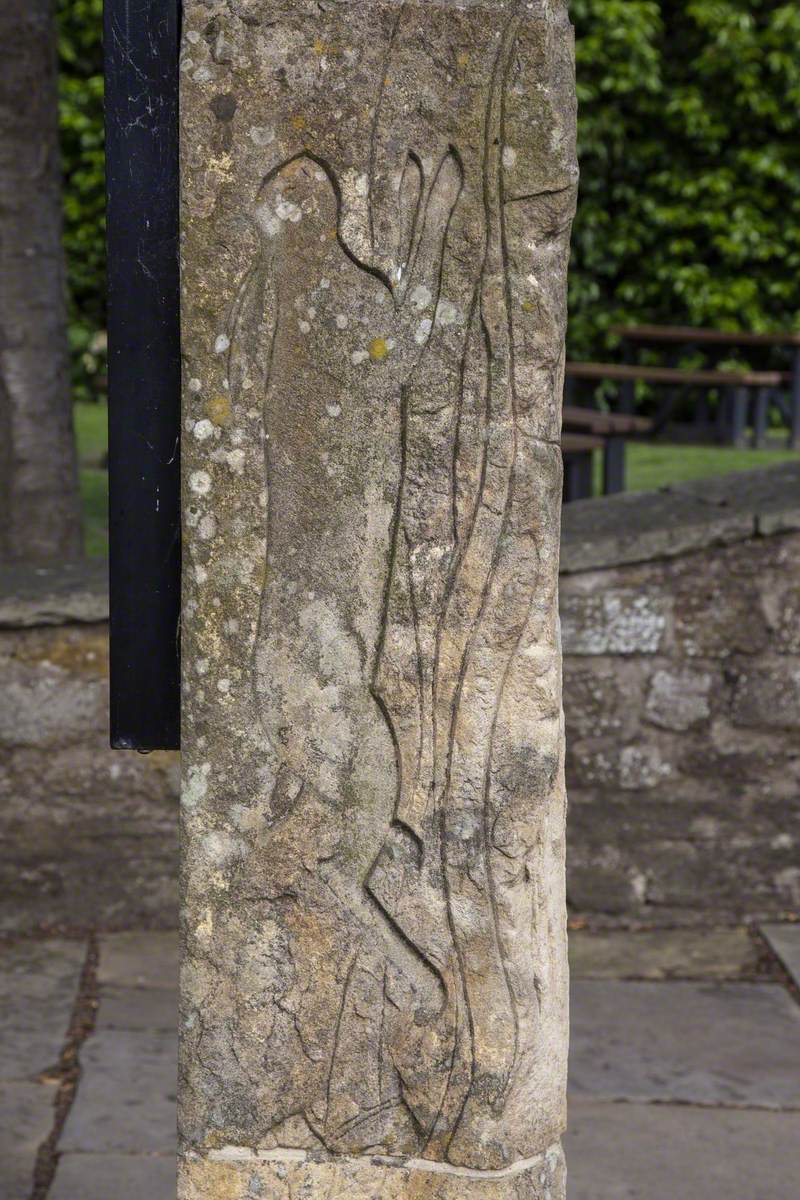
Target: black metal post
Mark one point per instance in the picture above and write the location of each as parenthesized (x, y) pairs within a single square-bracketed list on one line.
[(141, 98), (794, 414)]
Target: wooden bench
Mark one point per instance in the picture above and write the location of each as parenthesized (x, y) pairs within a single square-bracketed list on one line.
[(738, 388), (675, 337), (587, 430)]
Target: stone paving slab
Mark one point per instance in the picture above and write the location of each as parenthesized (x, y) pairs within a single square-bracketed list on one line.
[(26, 1118), (730, 1044), (138, 1008), (663, 954), (38, 986), (144, 960), (785, 942), (121, 1176), (661, 1152), (126, 1097)]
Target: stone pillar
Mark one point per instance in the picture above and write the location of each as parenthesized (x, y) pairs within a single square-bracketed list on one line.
[(377, 201)]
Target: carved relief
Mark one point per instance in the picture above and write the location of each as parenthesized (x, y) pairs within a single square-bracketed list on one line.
[(405, 821)]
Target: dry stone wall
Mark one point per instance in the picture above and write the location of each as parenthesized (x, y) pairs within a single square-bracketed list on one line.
[(682, 695), (87, 835), (681, 628)]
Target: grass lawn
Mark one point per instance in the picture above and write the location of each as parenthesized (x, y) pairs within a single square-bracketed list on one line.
[(653, 465), (650, 466), (91, 435)]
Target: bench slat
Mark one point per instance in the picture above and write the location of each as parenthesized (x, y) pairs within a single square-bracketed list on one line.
[(685, 333), (601, 422), (579, 443), (620, 373)]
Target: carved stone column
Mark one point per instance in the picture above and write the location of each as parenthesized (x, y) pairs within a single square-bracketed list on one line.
[(377, 201)]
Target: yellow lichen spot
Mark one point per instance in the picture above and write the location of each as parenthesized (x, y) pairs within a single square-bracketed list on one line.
[(319, 47), (299, 122), (463, 58), (528, 306), (378, 349), (218, 409)]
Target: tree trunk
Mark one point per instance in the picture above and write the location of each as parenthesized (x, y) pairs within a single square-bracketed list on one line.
[(40, 513), (377, 199)]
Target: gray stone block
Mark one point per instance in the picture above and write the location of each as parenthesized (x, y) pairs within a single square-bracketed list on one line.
[(768, 696), (622, 621), (53, 595), (125, 1101), (785, 942), (123, 1176), (38, 987), (638, 527), (661, 1152), (41, 703), (678, 699), (733, 1044)]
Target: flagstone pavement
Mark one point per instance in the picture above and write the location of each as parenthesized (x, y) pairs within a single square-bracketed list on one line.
[(684, 1078)]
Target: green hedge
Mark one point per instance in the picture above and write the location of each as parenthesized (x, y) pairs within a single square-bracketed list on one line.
[(81, 115), (689, 137), (690, 168)]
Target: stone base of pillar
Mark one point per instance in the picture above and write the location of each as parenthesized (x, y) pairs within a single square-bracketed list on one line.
[(286, 1174)]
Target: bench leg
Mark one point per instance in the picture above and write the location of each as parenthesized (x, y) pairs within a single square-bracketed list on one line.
[(794, 414), (614, 466), (724, 414), (732, 420), (738, 427), (578, 477), (761, 417)]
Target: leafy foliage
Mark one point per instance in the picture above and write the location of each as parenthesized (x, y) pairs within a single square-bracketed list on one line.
[(689, 141), (80, 24)]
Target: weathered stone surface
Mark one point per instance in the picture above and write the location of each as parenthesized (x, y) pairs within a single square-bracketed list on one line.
[(377, 199), (38, 987), (123, 1176), (663, 954), (660, 1152), (733, 1044)]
